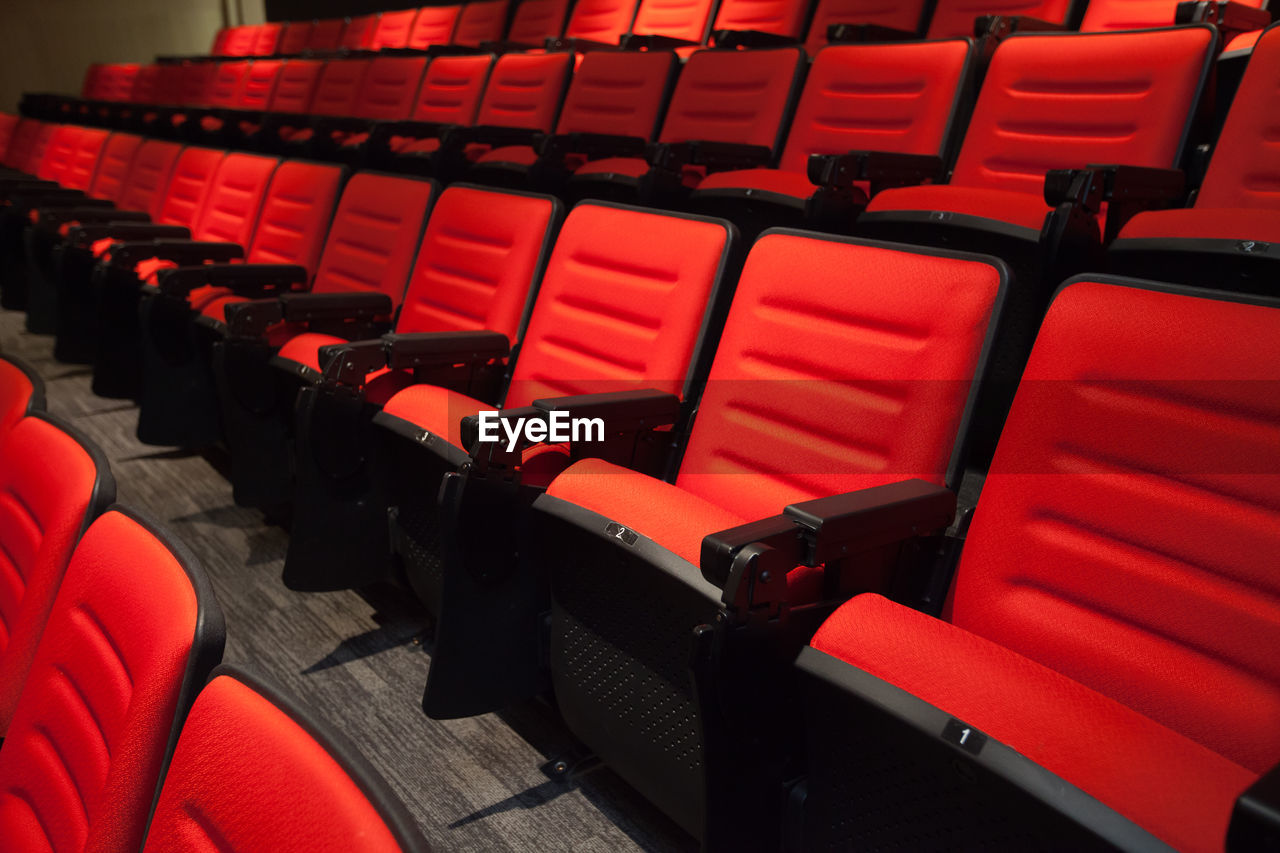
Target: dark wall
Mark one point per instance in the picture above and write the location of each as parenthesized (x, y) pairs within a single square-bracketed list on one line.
[(302, 10)]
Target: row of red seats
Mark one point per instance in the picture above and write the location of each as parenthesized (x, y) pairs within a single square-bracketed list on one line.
[(118, 731)]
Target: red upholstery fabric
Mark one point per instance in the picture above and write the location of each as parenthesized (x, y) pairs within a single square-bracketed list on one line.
[(793, 184), (224, 89), (673, 18), (631, 167), (259, 84), (194, 83), (339, 87), (437, 410), (149, 177), (296, 86), (83, 162), (1170, 785), (114, 166), (145, 89), (1133, 14), (326, 34), (56, 156), (1234, 223), (82, 757), (537, 20), (1135, 485), (358, 33), (521, 155), (295, 214), (189, 183), (244, 772), (392, 29), (266, 39), (954, 18), (1019, 208), (233, 199), (1244, 41), (480, 22), (39, 145), (15, 395), (295, 37), (600, 20), (46, 483), (237, 42), (20, 143), (451, 89), (905, 16), (525, 90), (781, 17), (432, 25), (389, 87)]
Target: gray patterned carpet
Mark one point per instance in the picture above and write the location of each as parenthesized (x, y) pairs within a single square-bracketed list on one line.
[(358, 659)]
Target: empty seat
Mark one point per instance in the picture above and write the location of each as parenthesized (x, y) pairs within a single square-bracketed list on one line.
[(679, 20), (358, 33), (326, 35), (432, 25), (21, 392), (133, 634), (738, 101), (615, 100), (907, 98), (387, 93), (535, 21), (905, 18), (248, 755), (266, 39), (295, 38), (335, 92), (1228, 236), (599, 21), (479, 22), (1103, 15), (238, 42), (393, 29), (778, 18), (178, 405), (55, 483), (450, 94), (480, 261), (853, 413), (1101, 672), (955, 18)]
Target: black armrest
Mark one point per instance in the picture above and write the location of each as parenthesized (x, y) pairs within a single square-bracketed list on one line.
[(309, 307), (28, 199), (350, 363), (1230, 17), (489, 134), (252, 319), (751, 38), (427, 349), (632, 41), (181, 252), (251, 280), (507, 46), (125, 231), (56, 216), (1255, 821), (999, 26), (744, 561), (17, 185), (715, 156), (859, 33), (593, 145), (883, 169), (1126, 189), (453, 50), (621, 411), (577, 45)]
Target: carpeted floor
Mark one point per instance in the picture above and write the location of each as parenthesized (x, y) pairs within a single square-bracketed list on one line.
[(358, 659)]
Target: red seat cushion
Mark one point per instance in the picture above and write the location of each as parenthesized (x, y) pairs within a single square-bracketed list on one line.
[(1011, 206), (522, 154), (631, 167), (1205, 223), (791, 184), (379, 385), (1161, 780), (675, 519)]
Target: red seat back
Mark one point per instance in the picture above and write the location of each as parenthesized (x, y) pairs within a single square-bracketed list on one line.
[(535, 21), (781, 17), (392, 29), (169, 82), (278, 761), (21, 142), (481, 256), (84, 158), (259, 84), (296, 212), (227, 82), (116, 81), (91, 84), (21, 392), (133, 633), (907, 16), (679, 19), (480, 21), (219, 41), (239, 41), (616, 315), (600, 20), (146, 84), (433, 25), (234, 197), (1134, 488), (296, 86), (525, 90), (389, 87), (195, 83), (893, 344), (1102, 15), (295, 38), (1245, 168), (735, 96), (1065, 101), (326, 34), (451, 89), (955, 18), (188, 185), (58, 152), (374, 235), (618, 93), (266, 40), (114, 166), (149, 177), (339, 87), (53, 484), (358, 33), (39, 145), (901, 97)]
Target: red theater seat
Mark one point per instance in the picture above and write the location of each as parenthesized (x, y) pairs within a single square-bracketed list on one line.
[(535, 21), (359, 31), (262, 775), (450, 94), (907, 19), (295, 38), (955, 18), (133, 634), (326, 35), (21, 392), (432, 25), (1106, 640), (479, 22)]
